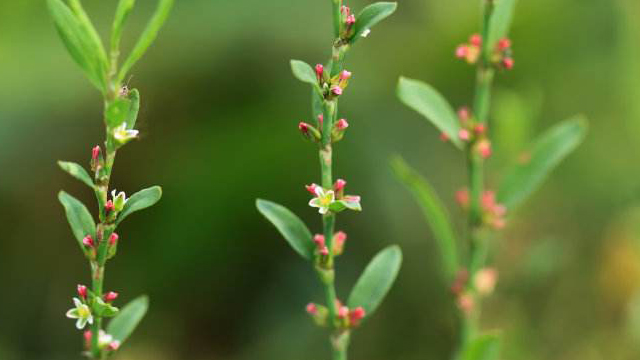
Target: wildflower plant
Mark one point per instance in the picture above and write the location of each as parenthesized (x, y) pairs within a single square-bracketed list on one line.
[(99, 242), (464, 263), (328, 83)]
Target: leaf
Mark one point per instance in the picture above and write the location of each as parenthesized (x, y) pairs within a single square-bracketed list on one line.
[(434, 212), (117, 112), (484, 347), (376, 280), (553, 146), (122, 14), (80, 43), (500, 21), (148, 36), (77, 172), (429, 103), (304, 72), (140, 201), (79, 218), (132, 116), (371, 15), (317, 108), (94, 39), (290, 226), (128, 318)]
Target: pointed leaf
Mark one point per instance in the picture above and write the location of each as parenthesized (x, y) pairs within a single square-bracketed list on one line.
[(122, 14), (93, 38), (128, 318), (500, 21), (117, 112), (484, 347), (77, 172), (290, 226), (376, 280), (429, 103), (434, 212), (553, 146), (148, 36), (132, 116), (140, 201), (304, 72), (79, 218), (371, 15)]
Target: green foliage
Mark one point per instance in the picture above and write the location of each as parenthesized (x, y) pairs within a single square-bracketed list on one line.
[(140, 201), (434, 211), (77, 172), (132, 115), (148, 36), (304, 72), (500, 21), (117, 112), (79, 218), (290, 226), (376, 280), (370, 16), (128, 318), (484, 347), (428, 102), (122, 14), (545, 154)]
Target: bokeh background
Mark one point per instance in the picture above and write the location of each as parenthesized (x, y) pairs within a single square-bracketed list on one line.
[(218, 121)]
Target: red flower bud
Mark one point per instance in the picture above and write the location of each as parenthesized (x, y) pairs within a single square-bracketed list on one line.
[(345, 75), (462, 51), (324, 251), (320, 71), (336, 90), (312, 308), (114, 345), (464, 134), (504, 44), (342, 124), (113, 239), (343, 312), (319, 241), (312, 189), (87, 338), (344, 10), (351, 19), (507, 63), (95, 152), (110, 296), (444, 137), (480, 129), (464, 114), (357, 314), (339, 185), (304, 128), (476, 40), (320, 118), (108, 206), (88, 241), (82, 291)]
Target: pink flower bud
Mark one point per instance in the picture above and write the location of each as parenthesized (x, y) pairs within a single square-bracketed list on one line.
[(464, 134), (320, 71), (460, 281), (110, 296), (320, 118), (462, 51), (342, 124), (338, 242), (324, 251), (87, 338), (108, 206), (312, 189), (95, 152), (345, 75), (464, 114), (88, 241), (113, 239), (303, 127), (319, 241), (504, 44), (114, 345), (444, 137), (507, 63), (485, 280), (480, 129), (351, 19), (343, 312), (82, 291), (466, 303), (312, 308), (339, 185), (357, 314), (484, 148), (336, 90), (476, 40), (462, 198)]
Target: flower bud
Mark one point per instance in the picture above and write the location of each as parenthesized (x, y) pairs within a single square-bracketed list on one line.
[(351, 19), (338, 242), (95, 153), (336, 90), (324, 251), (339, 185), (464, 134), (507, 63), (444, 137), (485, 281), (356, 315), (460, 281), (87, 339), (464, 114), (343, 312), (504, 44), (462, 51), (110, 296), (114, 345), (320, 118), (342, 124), (345, 75), (480, 129), (484, 148), (88, 241), (108, 207), (319, 241), (466, 303), (312, 308), (476, 40), (312, 189), (113, 239), (320, 72), (82, 291), (462, 198), (345, 11)]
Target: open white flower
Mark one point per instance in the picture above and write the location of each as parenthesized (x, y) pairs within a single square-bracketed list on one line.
[(80, 312), (323, 200), (122, 134), (119, 199)]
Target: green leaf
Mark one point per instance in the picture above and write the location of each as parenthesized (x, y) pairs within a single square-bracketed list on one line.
[(484, 347), (547, 152), (140, 201), (304, 72), (371, 15), (122, 14), (128, 318), (104, 309), (434, 212), (77, 172), (290, 226), (376, 280), (500, 21), (317, 108), (148, 36), (79, 218), (117, 112), (80, 42), (132, 116), (434, 107)]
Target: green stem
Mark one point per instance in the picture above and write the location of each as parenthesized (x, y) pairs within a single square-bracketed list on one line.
[(340, 344), (335, 11)]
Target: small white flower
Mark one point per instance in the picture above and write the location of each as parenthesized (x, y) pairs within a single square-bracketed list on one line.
[(104, 339), (80, 312), (323, 200), (366, 33), (122, 134), (119, 199)]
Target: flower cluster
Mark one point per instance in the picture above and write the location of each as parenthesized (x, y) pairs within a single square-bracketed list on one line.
[(483, 284), (332, 86), (345, 318), (473, 133), (105, 341), (501, 56), (314, 133), (493, 213), (87, 306), (337, 245), (333, 200)]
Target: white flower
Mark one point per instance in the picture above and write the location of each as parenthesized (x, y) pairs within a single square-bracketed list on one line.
[(122, 134), (80, 312), (366, 33), (119, 200), (323, 200), (104, 339)]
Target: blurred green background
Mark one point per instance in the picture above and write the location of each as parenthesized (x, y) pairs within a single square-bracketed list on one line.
[(218, 120)]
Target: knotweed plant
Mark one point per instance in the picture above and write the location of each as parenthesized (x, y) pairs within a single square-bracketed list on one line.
[(328, 82), (465, 263), (99, 242)]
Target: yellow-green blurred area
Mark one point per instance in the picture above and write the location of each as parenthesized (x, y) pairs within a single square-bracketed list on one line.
[(219, 128)]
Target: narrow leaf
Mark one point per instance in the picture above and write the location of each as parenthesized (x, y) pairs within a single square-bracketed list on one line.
[(132, 116), (376, 280), (128, 318), (434, 107), (500, 21), (148, 36), (545, 154), (140, 201), (290, 226), (79, 218), (122, 14), (484, 347), (371, 15), (77, 172), (117, 112), (93, 38), (434, 212), (304, 72)]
